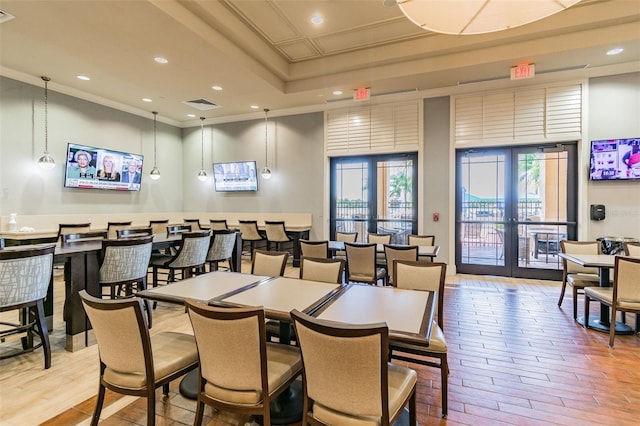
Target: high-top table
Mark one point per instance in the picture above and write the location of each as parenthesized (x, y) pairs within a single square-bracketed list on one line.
[(604, 262)]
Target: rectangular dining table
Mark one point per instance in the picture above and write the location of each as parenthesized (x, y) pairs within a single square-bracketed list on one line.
[(604, 263), (423, 251)]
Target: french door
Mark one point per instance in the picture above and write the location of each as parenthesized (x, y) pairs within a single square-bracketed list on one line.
[(375, 194), (513, 207)]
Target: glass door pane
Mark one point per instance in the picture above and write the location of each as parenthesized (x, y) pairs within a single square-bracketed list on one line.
[(350, 191), (395, 195)]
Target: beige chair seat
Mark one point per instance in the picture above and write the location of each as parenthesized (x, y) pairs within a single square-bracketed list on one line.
[(582, 280), (401, 381), (282, 363), (380, 274), (606, 294), (171, 352), (437, 343)]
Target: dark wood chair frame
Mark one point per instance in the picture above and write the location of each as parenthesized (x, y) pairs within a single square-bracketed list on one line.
[(213, 264), (195, 224), (397, 248), (576, 288), (271, 253), (117, 224), (324, 243), (186, 272), (68, 228), (374, 278), (218, 221), (339, 277), (278, 244), (252, 243)]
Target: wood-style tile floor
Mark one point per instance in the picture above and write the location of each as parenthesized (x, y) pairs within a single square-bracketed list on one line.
[(515, 358)]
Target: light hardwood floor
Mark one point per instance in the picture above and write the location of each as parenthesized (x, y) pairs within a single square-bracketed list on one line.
[(515, 358)]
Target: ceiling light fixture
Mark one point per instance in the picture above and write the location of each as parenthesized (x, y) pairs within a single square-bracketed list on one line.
[(46, 162), (254, 107), (202, 175), (478, 16), (266, 171), (155, 173), (161, 60), (317, 19), (83, 78), (216, 88), (615, 51), (337, 92), (146, 100)]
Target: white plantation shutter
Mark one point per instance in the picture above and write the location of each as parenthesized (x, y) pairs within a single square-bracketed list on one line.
[(548, 114), (374, 129)]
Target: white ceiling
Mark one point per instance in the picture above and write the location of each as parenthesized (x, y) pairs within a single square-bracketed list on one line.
[(268, 53)]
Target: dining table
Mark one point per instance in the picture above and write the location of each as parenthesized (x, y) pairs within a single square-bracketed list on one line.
[(423, 251), (604, 263)]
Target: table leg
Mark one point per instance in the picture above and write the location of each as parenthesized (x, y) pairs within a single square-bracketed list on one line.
[(296, 236)]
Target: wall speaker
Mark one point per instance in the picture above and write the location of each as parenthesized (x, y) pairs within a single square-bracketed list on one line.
[(597, 212)]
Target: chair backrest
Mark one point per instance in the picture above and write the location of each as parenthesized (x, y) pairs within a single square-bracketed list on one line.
[(317, 249), (361, 259), (82, 237), (392, 252), (347, 237), (625, 280), (218, 224), (25, 275), (73, 228), (178, 229), (330, 350), (195, 224), (123, 337), (379, 238), (426, 276), (579, 247), (159, 226), (632, 249), (222, 244), (249, 230), (239, 367), (276, 231), (113, 227), (125, 260), (134, 232), (269, 263), (193, 250), (421, 240), (321, 269)]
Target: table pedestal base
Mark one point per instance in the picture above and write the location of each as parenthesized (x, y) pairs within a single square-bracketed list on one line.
[(189, 384), (596, 324), (287, 407)]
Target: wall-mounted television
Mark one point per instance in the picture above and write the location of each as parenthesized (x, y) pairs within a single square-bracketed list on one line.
[(235, 176), (615, 159), (100, 168)]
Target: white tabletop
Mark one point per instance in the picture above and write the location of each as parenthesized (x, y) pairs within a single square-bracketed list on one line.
[(590, 260)]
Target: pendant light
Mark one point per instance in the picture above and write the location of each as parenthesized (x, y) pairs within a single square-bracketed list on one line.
[(266, 171), (155, 173), (46, 162), (202, 175)]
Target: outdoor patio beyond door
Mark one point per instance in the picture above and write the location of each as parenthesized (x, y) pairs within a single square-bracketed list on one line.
[(374, 194), (513, 207)]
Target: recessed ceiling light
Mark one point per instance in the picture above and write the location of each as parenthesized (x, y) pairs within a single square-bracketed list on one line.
[(337, 92), (146, 100), (161, 60), (217, 88), (317, 19), (255, 107), (615, 51), (191, 115), (83, 77)]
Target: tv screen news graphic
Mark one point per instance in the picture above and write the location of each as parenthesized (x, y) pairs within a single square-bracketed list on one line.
[(615, 159), (235, 176), (100, 168)]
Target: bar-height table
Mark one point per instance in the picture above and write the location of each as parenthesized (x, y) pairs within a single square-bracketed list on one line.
[(604, 262)]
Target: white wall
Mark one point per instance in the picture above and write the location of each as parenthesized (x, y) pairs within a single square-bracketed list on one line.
[(614, 112), (25, 189)]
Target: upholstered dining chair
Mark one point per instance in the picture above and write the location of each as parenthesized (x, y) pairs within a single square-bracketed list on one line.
[(195, 224), (345, 237), (421, 240), (189, 258), (159, 226), (276, 235), (243, 377), (426, 276), (133, 232), (578, 277), (25, 275), (123, 268), (250, 233), (623, 296), (395, 252), (316, 249), (631, 249), (321, 269), (221, 249), (132, 362), (72, 228), (269, 263), (361, 264), (379, 239), (114, 227), (218, 224), (347, 379)]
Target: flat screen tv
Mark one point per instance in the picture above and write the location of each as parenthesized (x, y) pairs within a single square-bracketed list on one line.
[(615, 159), (235, 176), (100, 168)]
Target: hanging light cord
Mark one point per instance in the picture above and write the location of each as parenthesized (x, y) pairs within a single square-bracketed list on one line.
[(202, 143), (266, 111), (46, 114), (155, 150)]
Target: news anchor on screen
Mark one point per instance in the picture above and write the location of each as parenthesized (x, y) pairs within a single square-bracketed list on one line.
[(132, 175), (81, 168)]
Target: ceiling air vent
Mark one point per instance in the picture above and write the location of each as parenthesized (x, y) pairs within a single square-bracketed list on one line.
[(4, 17), (201, 104)]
